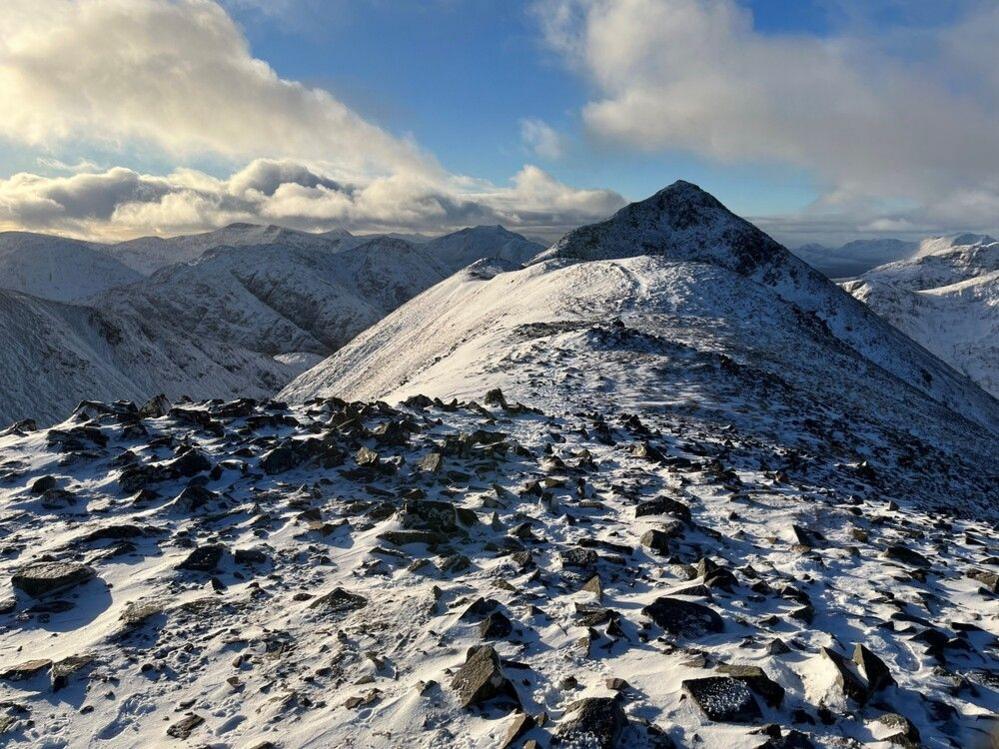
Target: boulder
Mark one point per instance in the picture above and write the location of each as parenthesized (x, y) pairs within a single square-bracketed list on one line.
[(663, 506), (756, 679), (684, 618), (481, 679), (45, 578), (724, 699), (339, 601), (203, 559), (591, 722)]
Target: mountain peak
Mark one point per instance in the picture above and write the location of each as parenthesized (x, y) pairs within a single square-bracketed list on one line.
[(681, 221)]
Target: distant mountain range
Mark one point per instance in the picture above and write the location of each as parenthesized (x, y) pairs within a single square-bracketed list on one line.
[(854, 258), (238, 311)]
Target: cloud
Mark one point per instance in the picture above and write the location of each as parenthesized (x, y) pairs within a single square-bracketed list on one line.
[(541, 139), (177, 75), (865, 119), (121, 203)]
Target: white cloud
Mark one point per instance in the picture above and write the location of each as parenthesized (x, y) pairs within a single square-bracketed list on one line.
[(695, 75), (177, 75), (542, 139), (121, 203)]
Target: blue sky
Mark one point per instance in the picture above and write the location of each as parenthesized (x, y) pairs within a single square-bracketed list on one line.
[(629, 95)]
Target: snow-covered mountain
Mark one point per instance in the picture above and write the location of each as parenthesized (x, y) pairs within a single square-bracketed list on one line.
[(678, 267), (64, 270), (230, 321), (462, 248), (713, 505), (946, 297), (856, 257), (148, 254)]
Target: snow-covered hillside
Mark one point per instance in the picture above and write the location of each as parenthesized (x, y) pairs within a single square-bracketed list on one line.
[(946, 297), (856, 257), (709, 507), (64, 270)]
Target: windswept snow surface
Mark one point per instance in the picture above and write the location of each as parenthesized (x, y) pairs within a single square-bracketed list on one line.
[(946, 298), (64, 270)]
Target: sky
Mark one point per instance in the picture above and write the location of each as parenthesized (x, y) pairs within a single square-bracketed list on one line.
[(820, 120)]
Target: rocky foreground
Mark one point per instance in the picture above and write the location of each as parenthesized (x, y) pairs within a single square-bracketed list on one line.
[(338, 574)]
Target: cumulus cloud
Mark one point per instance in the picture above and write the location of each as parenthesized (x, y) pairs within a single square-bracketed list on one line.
[(121, 203), (177, 75), (541, 138), (863, 118)]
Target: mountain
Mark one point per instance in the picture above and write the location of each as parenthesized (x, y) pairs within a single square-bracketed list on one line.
[(230, 321), (148, 254), (56, 268), (709, 506), (462, 248), (56, 355), (946, 297), (280, 298), (856, 257), (678, 267)]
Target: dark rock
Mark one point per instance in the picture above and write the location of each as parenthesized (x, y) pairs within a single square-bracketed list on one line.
[(481, 679), (851, 684), (495, 626), (250, 556), (656, 540), (684, 618), (43, 484), (663, 506), (25, 670), (579, 557), (184, 727), (63, 670), (592, 722), (521, 724), (873, 669), (339, 601), (203, 559), (45, 578), (907, 556)]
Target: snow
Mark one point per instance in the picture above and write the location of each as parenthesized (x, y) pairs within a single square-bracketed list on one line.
[(64, 270), (946, 298)]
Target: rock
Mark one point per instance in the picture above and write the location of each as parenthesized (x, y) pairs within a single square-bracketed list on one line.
[(495, 398), (43, 484), (184, 727), (63, 670), (431, 463), (723, 699), (898, 730), (495, 626), (25, 670), (579, 557), (907, 556), (847, 680), (872, 668), (521, 724), (367, 457), (684, 618), (136, 612), (756, 679), (339, 601), (663, 506), (429, 515), (155, 407), (203, 559), (987, 578), (591, 722), (656, 540), (45, 578), (280, 459), (189, 464), (250, 557), (119, 532), (481, 679)]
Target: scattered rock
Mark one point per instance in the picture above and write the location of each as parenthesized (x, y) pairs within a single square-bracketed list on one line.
[(591, 722), (45, 578), (481, 679), (684, 618), (724, 699)]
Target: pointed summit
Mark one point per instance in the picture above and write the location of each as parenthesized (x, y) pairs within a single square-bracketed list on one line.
[(682, 222)]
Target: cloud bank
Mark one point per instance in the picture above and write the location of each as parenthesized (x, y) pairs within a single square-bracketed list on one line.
[(121, 203), (906, 138)]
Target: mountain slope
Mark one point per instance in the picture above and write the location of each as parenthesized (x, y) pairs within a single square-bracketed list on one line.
[(56, 355), (946, 297), (56, 268)]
